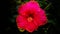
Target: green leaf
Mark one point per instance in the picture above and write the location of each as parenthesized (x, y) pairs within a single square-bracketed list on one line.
[(51, 21), (18, 2)]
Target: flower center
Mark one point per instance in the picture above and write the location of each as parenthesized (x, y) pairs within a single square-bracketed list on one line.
[(30, 19)]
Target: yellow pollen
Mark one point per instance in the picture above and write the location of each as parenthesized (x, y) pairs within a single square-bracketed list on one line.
[(21, 30), (29, 19)]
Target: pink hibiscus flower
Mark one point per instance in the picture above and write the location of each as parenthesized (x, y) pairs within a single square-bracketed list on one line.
[(31, 16)]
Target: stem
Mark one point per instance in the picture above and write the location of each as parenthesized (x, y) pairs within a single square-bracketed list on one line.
[(47, 6)]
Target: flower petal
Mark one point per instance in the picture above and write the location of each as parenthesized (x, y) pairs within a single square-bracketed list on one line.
[(30, 27), (21, 22)]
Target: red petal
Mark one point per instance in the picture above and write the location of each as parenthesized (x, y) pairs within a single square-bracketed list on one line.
[(21, 22), (30, 27)]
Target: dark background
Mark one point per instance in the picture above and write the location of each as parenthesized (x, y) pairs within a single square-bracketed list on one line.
[(9, 12)]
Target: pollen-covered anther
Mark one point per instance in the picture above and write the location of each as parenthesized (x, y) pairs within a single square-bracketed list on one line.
[(29, 19)]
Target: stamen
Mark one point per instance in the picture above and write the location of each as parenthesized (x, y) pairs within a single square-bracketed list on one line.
[(29, 19)]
